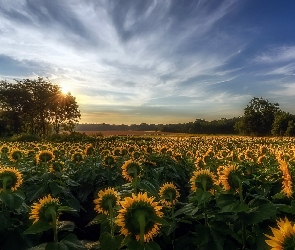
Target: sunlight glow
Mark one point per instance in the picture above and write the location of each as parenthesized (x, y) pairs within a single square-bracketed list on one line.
[(65, 89)]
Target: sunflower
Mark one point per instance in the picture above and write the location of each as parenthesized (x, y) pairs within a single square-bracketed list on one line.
[(4, 149), (136, 154), (77, 157), (230, 177), (44, 156), (40, 209), (15, 155), (130, 170), (109, 160), (10, 178), (89, 150), (169, 194), (287, 180), (284, 236), (202, 179), (107, 199), (138, 217)]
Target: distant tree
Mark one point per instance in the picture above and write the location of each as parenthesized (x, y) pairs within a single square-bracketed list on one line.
[(281, 122), (290, 131), (36, 106), (258, 117)]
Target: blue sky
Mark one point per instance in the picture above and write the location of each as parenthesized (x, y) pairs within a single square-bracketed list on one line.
[(154, 61)]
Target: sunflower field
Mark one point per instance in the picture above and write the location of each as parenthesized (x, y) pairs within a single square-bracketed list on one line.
[(198, 192)]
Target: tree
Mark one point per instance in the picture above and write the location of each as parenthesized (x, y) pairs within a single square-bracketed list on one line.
[(259, 116), (281, 123), (291, 128), (38, 104)]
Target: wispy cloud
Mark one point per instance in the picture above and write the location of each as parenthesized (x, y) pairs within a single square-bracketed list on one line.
[(139, 53), (277, 55)]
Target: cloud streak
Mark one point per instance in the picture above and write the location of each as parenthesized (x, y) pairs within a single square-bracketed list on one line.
[(167, 54)]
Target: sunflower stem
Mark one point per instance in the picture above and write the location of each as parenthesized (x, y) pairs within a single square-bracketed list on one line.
[(243, 224), (135, 183), (52, 212), (140, 215), (5, 179), (111, 216)]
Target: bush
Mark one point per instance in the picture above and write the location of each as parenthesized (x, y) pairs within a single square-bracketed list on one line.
[(25, 138)]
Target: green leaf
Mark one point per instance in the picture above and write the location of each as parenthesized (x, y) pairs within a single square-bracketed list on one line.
[(12, 199), (56, 246), (73, 203), (38, 227), (7, 198), (187, 209), (4, 222), (99, 219), (235, 208), (148, 187), (109, 242), (224, 200), (218, 238), (152, 246), (66, 209), (65, 226), (72, 243), (35, 193), (56, 189), (260, 209), (135, 245), (39, 247), (202, 196)]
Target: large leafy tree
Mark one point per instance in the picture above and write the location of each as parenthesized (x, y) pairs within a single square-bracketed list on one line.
[(281, 123), (258, 117), (38, 106)]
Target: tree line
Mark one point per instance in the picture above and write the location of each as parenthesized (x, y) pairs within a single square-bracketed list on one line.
[(36, 107), (261, 118)]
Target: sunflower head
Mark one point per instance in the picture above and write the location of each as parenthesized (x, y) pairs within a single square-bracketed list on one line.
[(44, 156), (77, 157), (169, 194), (89, 150), (117, 151), (10, 179), (138, 217), (43, 208), (124, 151), (109, 160), (130, 170), (106, 200), (4, 149), (283, 236), (230, 177), (149, 150), (136, 154), (15, 155), (202, 179)]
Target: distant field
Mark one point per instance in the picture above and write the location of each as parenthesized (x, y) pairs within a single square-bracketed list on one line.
[(129, 132)]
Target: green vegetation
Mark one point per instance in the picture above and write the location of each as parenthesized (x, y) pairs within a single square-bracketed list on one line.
[(36, 107)]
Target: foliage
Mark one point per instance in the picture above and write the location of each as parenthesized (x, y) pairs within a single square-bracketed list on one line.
[(258, 117), (252, 188), (37, 107)]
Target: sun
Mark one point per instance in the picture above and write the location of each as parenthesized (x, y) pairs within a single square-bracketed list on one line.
[(64, 89)]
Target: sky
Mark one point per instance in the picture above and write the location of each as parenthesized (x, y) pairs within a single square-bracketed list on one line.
[(154, 61)]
